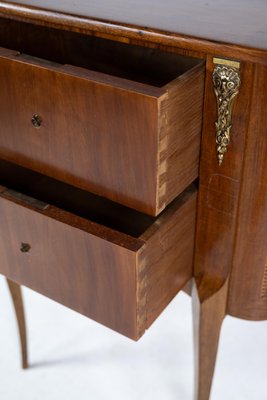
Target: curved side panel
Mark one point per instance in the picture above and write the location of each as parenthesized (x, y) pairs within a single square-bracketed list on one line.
[(248, 286)]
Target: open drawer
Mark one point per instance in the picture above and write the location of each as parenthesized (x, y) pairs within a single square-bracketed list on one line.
[(116, 119), (108, 262)]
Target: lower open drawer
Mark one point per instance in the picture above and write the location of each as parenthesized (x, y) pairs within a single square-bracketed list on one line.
[(108, 262)]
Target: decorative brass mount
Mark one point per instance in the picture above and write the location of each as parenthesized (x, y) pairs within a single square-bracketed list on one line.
[(226, 80)]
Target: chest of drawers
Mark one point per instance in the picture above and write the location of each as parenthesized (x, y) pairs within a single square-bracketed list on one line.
[(132, 162)]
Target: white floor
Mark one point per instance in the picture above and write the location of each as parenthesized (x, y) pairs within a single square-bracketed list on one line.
[(73, 358)]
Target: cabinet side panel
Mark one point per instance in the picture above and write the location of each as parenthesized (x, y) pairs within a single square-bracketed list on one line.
[(248, 286), (219, 187)]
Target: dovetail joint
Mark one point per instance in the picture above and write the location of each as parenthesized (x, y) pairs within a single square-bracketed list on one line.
[(141, 294), (264, 282)]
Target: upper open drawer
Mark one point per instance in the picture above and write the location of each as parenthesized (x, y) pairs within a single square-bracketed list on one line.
[(122, 121)]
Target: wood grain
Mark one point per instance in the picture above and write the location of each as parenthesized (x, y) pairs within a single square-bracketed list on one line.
[(179, 153), (79, 270), (167, 255), (93, 269), (116, 151), (208, 317), (216, 27), (121, 279), (138, 62), (247, 299), (219, 188), (231, 234), (16, 295)]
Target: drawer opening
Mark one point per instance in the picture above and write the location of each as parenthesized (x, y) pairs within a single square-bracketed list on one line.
[(136, 63), (23, 183)]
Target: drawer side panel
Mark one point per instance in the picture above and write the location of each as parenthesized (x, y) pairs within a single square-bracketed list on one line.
[(180, 135), (168, 257)]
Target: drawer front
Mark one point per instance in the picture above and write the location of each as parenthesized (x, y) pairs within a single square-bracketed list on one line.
[(133, 143), (117, 280)]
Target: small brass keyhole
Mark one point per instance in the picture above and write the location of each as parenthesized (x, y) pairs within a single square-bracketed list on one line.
[(25, 247), (36, 120)]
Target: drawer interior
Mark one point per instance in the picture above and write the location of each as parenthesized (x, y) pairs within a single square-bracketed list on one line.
[(76, 201), (136, 63)]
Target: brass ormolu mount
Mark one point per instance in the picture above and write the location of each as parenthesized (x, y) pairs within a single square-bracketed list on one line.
[(226, 80)]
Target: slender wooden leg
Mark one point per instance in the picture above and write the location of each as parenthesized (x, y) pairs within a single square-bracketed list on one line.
[(208, 317), (16, 296)]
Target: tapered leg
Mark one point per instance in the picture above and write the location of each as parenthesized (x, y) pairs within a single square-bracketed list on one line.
[(16, 296), (208, 317)]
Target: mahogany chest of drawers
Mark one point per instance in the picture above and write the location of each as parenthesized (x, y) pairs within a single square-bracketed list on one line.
[(133, 162)]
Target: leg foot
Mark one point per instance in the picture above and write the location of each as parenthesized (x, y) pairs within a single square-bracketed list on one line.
[(208, 317), (16, 296)]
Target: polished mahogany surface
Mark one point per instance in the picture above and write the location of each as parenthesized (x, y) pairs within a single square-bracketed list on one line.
[(248, 285), (216, 20), (230, 266), (121, 277), (122, 127)]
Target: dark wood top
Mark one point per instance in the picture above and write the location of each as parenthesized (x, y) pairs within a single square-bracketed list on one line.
[(233, 29), (241, 22)]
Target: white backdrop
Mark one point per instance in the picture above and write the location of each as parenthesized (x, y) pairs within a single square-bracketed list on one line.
[(73, 358)]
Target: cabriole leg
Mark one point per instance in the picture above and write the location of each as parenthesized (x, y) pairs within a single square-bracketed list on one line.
[(207, 318), (16, 295)]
